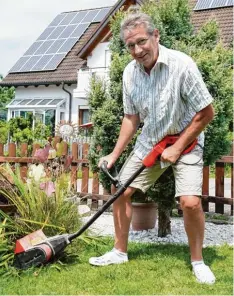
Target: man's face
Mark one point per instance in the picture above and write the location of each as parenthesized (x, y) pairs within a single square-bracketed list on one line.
[(142, 46)]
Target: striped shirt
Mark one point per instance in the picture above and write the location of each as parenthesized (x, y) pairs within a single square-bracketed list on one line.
[(166, 100)]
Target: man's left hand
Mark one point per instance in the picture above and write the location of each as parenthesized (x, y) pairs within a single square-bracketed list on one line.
[(170, 154)]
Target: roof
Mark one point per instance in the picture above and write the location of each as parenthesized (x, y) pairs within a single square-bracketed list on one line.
[(224, 17), (67, 70), (36, 103)]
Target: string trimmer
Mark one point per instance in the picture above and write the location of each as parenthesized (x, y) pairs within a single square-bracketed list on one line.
[(36, 249)]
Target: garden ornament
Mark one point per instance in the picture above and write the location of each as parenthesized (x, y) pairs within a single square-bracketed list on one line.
[(36, 172), (36, 249), (42, 154)]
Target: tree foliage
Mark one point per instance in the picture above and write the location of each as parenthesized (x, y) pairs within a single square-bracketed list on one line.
[(6, 95)]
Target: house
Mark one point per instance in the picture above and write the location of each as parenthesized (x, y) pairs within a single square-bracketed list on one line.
[(52, 78)]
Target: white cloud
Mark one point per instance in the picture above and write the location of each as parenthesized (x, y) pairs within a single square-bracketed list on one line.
[(21, 23)]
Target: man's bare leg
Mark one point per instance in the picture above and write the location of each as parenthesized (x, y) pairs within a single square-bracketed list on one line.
[(194, 223), (122, 212)]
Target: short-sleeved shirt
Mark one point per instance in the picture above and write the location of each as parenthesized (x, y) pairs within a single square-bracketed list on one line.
[(166, 100)]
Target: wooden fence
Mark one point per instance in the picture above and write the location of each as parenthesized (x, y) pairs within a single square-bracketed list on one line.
[(80, 163)]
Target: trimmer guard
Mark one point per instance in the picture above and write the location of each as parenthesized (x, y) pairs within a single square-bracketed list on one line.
[(36, 249)]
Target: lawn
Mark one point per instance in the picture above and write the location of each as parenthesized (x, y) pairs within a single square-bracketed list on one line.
[(153, 269)]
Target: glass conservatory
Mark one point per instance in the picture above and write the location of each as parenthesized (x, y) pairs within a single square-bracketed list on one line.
[(44, 110)]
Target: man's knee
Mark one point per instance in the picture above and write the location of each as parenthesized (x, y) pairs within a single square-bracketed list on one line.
[(190, 203)]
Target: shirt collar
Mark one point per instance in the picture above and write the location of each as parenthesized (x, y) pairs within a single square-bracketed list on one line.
[(162, 58)]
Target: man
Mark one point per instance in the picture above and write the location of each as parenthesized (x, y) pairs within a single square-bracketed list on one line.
[(163, 88)]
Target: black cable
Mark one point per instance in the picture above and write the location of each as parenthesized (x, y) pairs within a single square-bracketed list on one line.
[(194, 162)]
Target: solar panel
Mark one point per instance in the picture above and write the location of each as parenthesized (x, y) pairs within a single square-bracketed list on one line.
[(19, 64), (69, 43), (44, 47), (42, 62), (210, 4), (50, 48), (55, 46), (56, 32), (90, 16), (36, 45), (102, 13), (46, 33), (55, 61), (79, 17), (68, 18), (57, 20), (30, 63), (80, 29), (67, 32)]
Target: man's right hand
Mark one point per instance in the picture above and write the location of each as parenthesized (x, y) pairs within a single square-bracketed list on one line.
[(110, 158)]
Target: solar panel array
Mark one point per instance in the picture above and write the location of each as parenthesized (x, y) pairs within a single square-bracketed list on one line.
[(47, 52), (209, 4)]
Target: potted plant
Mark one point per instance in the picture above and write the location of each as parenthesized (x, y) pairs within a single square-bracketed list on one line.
[(156, 204), (163, 192), (144, 211)]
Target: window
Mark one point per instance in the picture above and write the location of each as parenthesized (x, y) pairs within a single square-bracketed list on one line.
[(3, 115), (210, 4), (62, 116), (83, 116)]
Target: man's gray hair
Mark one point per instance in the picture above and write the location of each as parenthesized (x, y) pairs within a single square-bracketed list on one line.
[(136, 18)]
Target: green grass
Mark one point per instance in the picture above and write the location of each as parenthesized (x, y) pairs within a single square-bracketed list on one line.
[(153, 269)]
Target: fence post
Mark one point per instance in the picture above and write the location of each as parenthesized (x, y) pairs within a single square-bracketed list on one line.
[(23, 165), (65, 149), (74, 166), (95, 188), (1, 149), (232, 187), (219, 185), (35, 147), (12, 149), (85, 169), (205, 187)]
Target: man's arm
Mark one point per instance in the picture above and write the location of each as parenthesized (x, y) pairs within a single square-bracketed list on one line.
[(128, 129), (197, 125)]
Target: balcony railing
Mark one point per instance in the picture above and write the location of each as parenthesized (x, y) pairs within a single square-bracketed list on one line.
[(83, 79)]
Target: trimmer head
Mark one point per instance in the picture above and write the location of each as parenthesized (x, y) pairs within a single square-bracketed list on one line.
[(36, 249)]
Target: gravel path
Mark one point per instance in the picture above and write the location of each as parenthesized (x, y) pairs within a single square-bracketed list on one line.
[(215, 234)]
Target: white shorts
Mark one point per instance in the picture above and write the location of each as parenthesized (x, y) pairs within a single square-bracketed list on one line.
[(188, 173)]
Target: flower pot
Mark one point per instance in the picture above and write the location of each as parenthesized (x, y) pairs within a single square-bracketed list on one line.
[(144, 215)]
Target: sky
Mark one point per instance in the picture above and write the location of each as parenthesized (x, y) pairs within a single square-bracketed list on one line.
[(22, 21)]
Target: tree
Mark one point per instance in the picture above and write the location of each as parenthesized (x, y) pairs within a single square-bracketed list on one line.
[(6, 95), (172, 18)]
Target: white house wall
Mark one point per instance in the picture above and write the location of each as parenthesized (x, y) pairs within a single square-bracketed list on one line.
[(100, 56), (53, 91), (97, 62)]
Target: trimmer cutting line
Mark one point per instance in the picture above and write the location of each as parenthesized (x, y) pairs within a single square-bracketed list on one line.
[(36, 249)]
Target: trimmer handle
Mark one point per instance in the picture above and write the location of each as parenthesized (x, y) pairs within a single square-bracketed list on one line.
[(105, 171), (158, 149)]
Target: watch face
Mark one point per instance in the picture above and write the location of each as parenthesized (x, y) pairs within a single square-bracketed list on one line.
[(66, 130)]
